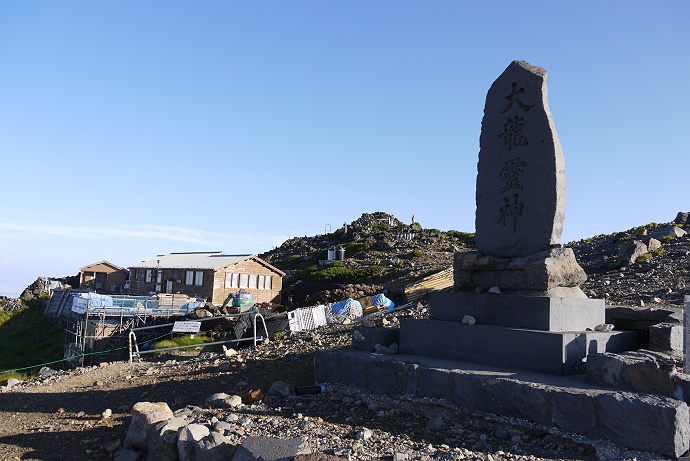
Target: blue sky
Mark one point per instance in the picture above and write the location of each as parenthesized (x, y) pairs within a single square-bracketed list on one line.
[(130, 129)]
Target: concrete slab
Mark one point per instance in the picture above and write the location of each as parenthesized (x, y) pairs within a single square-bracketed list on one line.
[(533, 350), (568, 402), (528, 312)]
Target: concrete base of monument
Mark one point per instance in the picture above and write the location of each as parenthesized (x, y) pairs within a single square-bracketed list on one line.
[(530, 312), (556, 352), (638, 421)]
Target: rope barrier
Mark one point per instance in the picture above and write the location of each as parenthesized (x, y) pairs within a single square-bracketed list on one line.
[(79, 356)]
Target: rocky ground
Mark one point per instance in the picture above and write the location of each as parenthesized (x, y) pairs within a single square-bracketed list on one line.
[(661, 281), (85, 413)]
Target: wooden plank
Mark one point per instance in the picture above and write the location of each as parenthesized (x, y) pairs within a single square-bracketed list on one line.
[(434, 282)]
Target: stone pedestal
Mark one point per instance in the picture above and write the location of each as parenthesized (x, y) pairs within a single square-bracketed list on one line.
[(543, 272), (553, 352), (529, 312)]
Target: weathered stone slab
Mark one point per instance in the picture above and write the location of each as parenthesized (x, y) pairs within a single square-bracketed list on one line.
[(665, 429), (516, 399), (386, 378), (573, 411), (540, 272), (529, 312), (667, 337), (638, 421), (328, 366), (434, 383), (521, 172)]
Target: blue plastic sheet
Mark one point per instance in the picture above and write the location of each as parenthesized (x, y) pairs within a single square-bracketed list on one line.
[(349, 307), (381, 300)]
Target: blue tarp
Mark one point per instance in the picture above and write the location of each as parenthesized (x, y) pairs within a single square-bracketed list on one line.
[(349, 308), (381, 300)]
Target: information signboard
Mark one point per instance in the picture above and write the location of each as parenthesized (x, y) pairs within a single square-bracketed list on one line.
[(186, 327)]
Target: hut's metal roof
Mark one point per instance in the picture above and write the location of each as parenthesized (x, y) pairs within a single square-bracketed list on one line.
[(194, 260)]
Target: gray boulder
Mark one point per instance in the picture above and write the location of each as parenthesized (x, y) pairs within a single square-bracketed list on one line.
[(187, 440), (682, 218), (672, 231), (161, 439), (213, 447), (223, 400), (44, 372), (270, 448), (652, 244), (279, 389), (630, 251), (144, 414), (128, 454)]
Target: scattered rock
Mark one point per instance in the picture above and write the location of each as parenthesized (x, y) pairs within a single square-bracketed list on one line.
[(223, 400), (252, 395), (144, 414), (279, 389), (45, 372)]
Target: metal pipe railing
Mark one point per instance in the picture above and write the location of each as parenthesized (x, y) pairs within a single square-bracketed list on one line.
[(132, 338)]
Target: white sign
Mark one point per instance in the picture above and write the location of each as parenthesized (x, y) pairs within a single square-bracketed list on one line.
[(186, 327)]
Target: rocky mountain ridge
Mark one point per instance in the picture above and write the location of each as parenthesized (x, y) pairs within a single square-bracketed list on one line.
[(660, 276)]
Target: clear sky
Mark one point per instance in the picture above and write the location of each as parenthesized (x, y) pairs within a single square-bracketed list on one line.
[(130, 129)]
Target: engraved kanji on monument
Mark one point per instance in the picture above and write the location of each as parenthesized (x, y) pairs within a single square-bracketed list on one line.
[(521, 172), (520, 195)]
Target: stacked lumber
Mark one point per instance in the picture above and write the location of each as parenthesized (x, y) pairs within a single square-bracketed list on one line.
[(435, 282)]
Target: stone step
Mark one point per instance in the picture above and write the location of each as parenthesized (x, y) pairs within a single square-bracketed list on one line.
[(529, 312), (633, 420), (556, 352)]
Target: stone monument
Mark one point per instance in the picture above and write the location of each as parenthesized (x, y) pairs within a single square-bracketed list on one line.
[(520, 194), (521, 288), (517, 307)]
